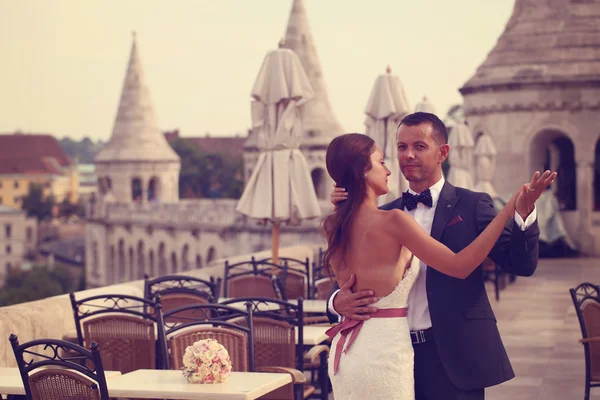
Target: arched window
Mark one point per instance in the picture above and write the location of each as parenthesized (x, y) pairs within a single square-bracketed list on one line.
[(95, 260), (122, 262), (153, 189), (554, 150), (131, 272), (136, 190), (162, 260), (185, 262), (319, 184), (141, 267), (173, 262), (111, 268), (198, 261), (151, 264), (211, 255), (597, 177)]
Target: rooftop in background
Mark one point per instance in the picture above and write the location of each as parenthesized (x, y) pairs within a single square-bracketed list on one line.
[(68, 250), (31, 154), (544, 43), (9, 210), (231, 146)]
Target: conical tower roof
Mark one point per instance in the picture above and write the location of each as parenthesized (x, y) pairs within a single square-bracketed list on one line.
[(545, 41), (317, 115), (136, 135)]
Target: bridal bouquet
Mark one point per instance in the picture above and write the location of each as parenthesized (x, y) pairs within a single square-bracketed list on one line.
[(206, 361)]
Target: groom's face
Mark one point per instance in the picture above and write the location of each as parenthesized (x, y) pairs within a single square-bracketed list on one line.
[(419, 153)]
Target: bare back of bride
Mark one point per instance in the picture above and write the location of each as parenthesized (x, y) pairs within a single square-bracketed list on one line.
[(377, 246)]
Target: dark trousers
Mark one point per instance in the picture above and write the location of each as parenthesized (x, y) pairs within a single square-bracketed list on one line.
[(431, 380)]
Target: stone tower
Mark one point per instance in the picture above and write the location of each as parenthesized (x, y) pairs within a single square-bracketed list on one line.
[(137, 164), (319, 123), (538, 97)]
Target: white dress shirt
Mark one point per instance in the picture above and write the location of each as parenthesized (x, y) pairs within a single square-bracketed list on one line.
[(418, 306)]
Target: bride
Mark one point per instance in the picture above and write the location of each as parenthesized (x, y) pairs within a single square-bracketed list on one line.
[(377, 246)]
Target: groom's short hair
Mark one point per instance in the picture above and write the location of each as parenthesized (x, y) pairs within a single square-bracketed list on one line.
[(437, 126)]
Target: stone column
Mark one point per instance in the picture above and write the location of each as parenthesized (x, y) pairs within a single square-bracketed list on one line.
[(485, 164), (144, 196), (585, 205), (554, 163)]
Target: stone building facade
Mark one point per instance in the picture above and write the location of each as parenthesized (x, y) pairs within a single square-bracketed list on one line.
[(538, 96)]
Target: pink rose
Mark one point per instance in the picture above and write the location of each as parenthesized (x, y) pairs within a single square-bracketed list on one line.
[(209, 378)]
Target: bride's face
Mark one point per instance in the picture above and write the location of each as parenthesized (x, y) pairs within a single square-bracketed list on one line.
[(377, 176)]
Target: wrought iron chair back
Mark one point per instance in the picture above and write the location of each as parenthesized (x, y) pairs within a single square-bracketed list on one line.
[(286, 317), (87, 382), (131, 338), (586, 299), (297, 281), (253, 278), (182, 284)]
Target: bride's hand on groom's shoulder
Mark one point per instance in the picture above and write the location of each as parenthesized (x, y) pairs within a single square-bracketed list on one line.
[(354, 305), (529, 193), (338, 194)]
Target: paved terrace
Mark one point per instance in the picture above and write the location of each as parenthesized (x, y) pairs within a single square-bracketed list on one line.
[(540, 330)]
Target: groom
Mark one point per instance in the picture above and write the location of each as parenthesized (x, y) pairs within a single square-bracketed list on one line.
[(458, 350)]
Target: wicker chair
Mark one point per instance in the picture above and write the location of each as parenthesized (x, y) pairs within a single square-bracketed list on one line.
[(586, 299), (492, 273), (130, 338), (179, 290), (188, 324), (276, 349), (297, 281), (253, 279), (78, 377)]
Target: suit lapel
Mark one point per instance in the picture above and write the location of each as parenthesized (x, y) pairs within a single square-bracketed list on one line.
[(445, 205)]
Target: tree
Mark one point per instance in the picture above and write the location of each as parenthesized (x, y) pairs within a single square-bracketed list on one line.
[(84, 150), (207, 175), (67, 209), (38, 283), (35, 205)]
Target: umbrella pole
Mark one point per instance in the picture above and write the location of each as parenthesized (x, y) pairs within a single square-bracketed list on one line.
[(275, 243)]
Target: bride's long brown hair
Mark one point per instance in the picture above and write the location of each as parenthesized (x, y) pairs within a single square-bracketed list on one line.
[(348, 158)]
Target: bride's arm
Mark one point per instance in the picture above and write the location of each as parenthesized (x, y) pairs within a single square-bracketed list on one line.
[(438, 256)]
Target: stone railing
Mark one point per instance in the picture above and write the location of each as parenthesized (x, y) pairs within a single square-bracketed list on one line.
[(53, 317), (186, 213)]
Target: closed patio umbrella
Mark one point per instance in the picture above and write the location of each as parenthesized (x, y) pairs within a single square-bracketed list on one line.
[(461, 144), (385, 109), (280, 188)]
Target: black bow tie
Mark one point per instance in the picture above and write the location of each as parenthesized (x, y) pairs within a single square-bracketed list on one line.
[(411, 200)]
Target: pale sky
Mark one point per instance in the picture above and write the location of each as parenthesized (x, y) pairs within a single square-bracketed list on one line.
[(63, 61)]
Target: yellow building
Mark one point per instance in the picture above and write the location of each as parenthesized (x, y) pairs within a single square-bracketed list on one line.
[(39, 159)]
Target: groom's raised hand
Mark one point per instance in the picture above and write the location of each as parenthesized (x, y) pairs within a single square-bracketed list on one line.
[(354, 305), (535, 188)]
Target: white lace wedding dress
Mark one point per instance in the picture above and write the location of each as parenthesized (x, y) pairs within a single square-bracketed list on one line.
[(379, 363)]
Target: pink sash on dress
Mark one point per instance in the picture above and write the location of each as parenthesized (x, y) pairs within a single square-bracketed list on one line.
[(348, 326)]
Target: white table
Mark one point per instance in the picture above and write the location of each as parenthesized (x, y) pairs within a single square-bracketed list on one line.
[(314, 335), (11, 383), (170, 384), (313, 306)]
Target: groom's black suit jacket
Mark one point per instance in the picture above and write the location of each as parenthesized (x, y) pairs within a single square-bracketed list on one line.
[(463, 322)]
